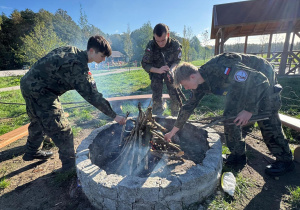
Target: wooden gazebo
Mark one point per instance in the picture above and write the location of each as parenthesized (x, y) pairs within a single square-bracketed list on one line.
[(259, 17)]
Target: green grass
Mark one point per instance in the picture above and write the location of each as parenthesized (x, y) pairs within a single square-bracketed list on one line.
[(4, 183), (9, 81), (76, 130), (12, 116), (294, 199), (126, 83), (225, 150), (198, 62), (290, 95), (64, 178), (228, 202)]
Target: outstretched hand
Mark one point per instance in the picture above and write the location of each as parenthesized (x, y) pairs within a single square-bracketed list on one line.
[(170, 134), (121, 120), (242, 118)]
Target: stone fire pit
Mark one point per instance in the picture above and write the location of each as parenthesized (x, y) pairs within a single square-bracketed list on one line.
[(171, 185)]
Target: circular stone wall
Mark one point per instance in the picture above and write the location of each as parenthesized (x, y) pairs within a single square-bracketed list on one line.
[(186, 183)]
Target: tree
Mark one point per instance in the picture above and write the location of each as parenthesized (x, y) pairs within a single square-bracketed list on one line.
[(140, 39), (87, 30), (263, 39), (65, 28), (187, 33), (38, 43), (117, 43), (205, 41), (12, 28), (196, 45), (128, 44)]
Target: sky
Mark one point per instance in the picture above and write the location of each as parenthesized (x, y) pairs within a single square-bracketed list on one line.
[(114, 16)]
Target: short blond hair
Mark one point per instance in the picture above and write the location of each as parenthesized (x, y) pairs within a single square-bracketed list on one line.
[(183, 72)]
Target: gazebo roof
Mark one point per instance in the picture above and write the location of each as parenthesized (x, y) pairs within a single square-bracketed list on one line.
[(255, 17), (116, 54)]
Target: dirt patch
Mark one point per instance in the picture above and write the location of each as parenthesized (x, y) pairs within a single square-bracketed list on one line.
[(34, 186)]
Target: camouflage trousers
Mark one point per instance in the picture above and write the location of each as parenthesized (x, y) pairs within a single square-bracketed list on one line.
[(157, 82), (271, 129), (47, 119)]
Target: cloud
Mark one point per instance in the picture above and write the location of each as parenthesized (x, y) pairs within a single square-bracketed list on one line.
[(4, 7)]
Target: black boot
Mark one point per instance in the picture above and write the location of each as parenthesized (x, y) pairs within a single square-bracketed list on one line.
[(279, 168), (233, 160), (41, 154)]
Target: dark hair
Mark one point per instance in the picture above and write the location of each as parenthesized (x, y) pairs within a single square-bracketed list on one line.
[(160, 28), (99, 44)]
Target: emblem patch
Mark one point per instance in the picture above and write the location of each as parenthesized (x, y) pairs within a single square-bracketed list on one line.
[(148, 49), (227, 70), (241, 76)]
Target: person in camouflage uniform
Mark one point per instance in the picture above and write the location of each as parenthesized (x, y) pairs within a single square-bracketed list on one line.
[(251, 88), (63, 69), (162, 54)]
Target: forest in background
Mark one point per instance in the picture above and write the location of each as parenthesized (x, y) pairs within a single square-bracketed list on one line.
[(26, 36)]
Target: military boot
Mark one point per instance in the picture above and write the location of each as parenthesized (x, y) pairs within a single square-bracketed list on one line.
[(41, 154), (232, 160), (279, 168)]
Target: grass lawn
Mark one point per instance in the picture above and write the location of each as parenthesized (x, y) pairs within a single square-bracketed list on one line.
[(9, 81)]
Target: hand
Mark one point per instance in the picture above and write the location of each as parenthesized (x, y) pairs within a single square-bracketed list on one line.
[(168, 136), (242, 118), (121, 120), (163, 69)]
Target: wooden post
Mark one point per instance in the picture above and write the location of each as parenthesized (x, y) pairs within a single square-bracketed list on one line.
[(292, 44), (284, 55), (217, 44), (246, 43), (222, 40), (269, 46)]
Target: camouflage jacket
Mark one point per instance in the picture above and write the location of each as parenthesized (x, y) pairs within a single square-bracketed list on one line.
[(64, 69), (154, 58), (230, 74)]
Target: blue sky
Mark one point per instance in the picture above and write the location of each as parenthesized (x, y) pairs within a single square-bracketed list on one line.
[(113, 16)]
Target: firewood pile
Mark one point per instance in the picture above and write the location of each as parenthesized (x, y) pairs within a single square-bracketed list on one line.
[(145, 144)]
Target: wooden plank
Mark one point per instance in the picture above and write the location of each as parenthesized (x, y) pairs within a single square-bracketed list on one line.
[(290, 122), (135, 97), (14, 135)]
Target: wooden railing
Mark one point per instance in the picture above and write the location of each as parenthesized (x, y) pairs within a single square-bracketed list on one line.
[(292, 64)]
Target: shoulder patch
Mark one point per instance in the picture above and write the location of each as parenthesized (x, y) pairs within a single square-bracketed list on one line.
[(148, 49), (241, 76), (227, 71)]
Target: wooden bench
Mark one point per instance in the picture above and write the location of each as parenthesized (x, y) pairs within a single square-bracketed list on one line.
[(290, 122), (14, 135)]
